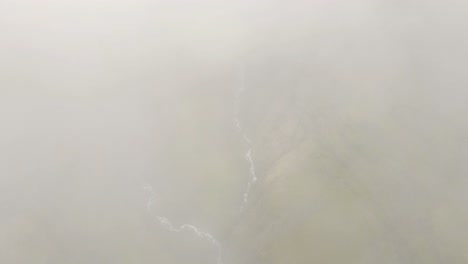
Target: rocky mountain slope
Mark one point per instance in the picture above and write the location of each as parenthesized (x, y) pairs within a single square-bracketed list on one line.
[(131, 132)]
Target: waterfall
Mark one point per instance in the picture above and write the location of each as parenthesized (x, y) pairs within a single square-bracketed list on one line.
[(245, 139), (206, 236)]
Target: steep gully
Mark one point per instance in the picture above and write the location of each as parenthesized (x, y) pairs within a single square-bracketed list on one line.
[(204, 235)]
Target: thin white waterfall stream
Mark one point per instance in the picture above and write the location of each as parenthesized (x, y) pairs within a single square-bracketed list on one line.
[(206, 236), (246, 140), (168, 225)]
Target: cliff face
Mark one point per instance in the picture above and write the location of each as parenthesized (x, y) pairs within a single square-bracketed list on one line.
[(360, 158), (374, 189)]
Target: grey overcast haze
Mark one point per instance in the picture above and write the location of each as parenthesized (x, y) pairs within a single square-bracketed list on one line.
[(233, 132)]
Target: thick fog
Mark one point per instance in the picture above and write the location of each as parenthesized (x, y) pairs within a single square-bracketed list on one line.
[(233, 132)]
